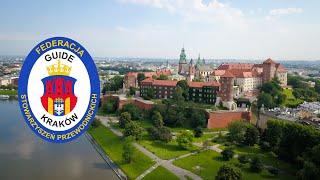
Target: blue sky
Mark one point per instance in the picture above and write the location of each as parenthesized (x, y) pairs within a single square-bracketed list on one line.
[(256, 29)]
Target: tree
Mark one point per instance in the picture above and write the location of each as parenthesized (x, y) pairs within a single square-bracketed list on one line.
[(177, 95), (227, 172), (157, 119), (128, 149), (115, 83), (274, 134), (140, 77), (243, 159), (251, 136), (256, 165), (95, 123), (149, 94), (132, 91), (309, 171), (198, 132), (162, 77), (183, 84), (163, 134), (125, 118), (227, 154), (185, 139), (133, 129), (266, 100), (134, 111), (237, 130)]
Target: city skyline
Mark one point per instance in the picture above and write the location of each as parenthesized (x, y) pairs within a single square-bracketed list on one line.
[(217, 29)]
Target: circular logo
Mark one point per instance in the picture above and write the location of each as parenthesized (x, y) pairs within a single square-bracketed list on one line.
[(59, 89)]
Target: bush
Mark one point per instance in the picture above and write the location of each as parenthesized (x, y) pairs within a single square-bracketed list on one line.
[(251, 136), (125, 118), (133, 129), (243, 159), (198, 132), (256, 165), (134, 111), (265, 146), (237, 130), (185, 139), (163, 134), (95, 123), (227, 172), (273, 170), (227, 154)]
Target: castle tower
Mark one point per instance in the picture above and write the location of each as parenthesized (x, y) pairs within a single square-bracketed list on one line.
[(226, 90), (182, 61), (269, 70), (192, 70)]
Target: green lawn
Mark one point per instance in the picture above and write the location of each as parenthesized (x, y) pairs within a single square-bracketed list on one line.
[(113, 144), (165, 150), (205, 137), (206, 164), (8, 92), (291, 100), (160, 173)]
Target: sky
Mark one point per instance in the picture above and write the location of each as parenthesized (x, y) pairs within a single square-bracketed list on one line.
[(215, 29)]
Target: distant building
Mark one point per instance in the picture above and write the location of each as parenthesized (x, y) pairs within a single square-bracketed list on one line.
[(131, 78), (163, 89), (203, 92)]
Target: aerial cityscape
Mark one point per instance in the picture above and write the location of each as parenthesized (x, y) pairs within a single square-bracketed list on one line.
[(189, 89)]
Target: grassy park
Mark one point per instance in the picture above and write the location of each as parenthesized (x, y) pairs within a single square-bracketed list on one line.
[(112, 145), (159, 173), (291, 100)]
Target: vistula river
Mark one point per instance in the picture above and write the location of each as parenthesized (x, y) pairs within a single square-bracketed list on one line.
[(23, 155)]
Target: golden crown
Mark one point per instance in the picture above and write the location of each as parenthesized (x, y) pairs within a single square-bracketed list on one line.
[(59, 69)]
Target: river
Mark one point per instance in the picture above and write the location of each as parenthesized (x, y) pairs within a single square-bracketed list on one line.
[(23, 155)]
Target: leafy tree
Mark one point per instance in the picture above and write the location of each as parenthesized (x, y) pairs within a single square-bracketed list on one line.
[(125, 118), (243, 159), (185, 139), (132, 91), (309, 171), (140, 77), (95, 123), (227, 154), (274, 134), (183, 84), (165, 134), (198, 132), (227, 172), (128, 150), (162, 77), (251, 136), (177, 95), (115, 83), (197, 117), (266, 100), (109, 106), (133, 129), (237, 130), (157, 119), (265, 146), (256, 165), (134, 111), (149, 94)]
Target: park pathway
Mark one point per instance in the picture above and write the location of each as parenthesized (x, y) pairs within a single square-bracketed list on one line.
[(168, 164)]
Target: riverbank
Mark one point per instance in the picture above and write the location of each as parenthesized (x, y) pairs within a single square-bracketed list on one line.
[(8, 92)]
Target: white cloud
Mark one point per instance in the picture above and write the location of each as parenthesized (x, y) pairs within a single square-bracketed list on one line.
[(285, 11), (196, 10)]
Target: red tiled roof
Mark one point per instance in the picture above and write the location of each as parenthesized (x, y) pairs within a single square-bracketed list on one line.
[(160, 82), (218, 72), (135, 74), (281, 68), (149, 74), (229, 66), (228, 74), (202, 84)]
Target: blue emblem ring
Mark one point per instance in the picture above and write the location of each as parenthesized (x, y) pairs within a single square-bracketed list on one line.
[(33, 123)]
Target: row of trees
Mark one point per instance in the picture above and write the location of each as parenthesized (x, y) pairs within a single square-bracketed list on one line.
[(243, 133), (271, 94), (302, 90), (297, 144), (114, 84)]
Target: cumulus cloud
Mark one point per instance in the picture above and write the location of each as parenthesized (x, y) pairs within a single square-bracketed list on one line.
[(285, 11), (195, 10)]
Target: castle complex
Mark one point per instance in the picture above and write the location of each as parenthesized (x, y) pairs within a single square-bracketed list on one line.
[(222, 85)]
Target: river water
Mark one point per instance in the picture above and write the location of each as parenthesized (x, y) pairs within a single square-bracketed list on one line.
[(23, 155)]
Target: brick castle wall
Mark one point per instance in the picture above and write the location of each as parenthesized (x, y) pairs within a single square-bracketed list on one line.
[(221, 119)]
